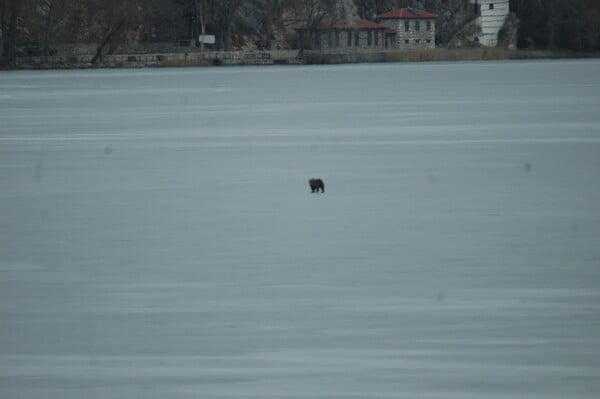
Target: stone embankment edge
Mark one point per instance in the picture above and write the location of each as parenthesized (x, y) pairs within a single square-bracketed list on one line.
[(289, 57)]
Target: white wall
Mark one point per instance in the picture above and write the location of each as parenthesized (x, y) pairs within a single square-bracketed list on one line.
[(492, 20)]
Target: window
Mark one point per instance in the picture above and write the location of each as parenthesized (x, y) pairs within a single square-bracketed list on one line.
[(337, 38), (406, 41), (329, 39), (491, 6), (417, 41), (349, 38), (376, 38), (429, 25), (369, 39), (417, 25), (406, 26), (428, 40), (356, 38)]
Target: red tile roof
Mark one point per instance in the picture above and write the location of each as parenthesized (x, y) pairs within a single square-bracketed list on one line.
[(407, 13), (353, 24)]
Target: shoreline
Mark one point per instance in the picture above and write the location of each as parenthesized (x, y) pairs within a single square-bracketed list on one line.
[(287, 57)]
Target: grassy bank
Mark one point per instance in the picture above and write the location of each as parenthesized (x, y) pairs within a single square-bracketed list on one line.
[(439, 55)]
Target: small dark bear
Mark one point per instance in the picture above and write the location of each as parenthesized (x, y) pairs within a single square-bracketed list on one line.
[(316, 185)]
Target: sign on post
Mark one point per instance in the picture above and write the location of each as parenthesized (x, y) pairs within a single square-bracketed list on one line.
[(207, 39)]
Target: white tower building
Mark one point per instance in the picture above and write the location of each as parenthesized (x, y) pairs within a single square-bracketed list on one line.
[(492, 16)]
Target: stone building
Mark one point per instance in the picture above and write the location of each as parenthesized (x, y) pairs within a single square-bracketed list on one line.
[(346, 35), (415, 29)]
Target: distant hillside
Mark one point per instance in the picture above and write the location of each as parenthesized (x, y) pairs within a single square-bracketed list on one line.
[(46, 27)]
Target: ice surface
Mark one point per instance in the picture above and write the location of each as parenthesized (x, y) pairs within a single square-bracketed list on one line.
[(158, 238)]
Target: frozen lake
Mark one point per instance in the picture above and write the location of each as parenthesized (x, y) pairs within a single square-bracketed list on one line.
[(158, 238)]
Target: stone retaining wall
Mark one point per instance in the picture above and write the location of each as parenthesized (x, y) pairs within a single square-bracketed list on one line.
[(287, 57), (162, 60)]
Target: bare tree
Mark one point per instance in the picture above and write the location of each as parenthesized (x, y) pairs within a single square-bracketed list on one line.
[(202, 12), (160, 20), (224, 21), (110, 19), (49, 22), (10, 11), (558, 24), (270, 16), (313, 13)]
